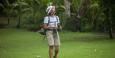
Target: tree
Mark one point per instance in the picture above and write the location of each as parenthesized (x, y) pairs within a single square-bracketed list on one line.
[(34, 18), (67, 7), (93, 14), (20, 7), (107, 4), (79, 6), (34, 7), (8, 9)]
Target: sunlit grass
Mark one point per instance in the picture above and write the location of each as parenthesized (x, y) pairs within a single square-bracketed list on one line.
[(19, 43)]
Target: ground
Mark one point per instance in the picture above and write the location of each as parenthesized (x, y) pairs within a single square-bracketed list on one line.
[(20, 43)]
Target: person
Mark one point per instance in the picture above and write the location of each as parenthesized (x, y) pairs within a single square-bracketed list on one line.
[(51, 25)]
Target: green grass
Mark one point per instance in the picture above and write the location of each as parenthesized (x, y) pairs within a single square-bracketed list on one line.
[(19, 43)]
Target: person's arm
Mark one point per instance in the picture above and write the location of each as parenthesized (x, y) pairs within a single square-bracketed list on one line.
[(59, 25), (47, 27)]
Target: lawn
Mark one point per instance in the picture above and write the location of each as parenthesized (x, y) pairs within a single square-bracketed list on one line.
[(20, 43)]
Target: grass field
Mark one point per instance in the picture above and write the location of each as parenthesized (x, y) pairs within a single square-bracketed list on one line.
[(19, 43)]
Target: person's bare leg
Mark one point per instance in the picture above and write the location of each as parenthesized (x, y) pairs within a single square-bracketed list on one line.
[(50, 51), (56, 51)]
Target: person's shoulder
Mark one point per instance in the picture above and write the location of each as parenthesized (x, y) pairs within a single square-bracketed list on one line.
[(46, 17), (57, 16)]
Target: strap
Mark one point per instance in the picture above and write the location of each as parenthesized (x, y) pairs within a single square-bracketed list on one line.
[(57, 19), (48, 20)]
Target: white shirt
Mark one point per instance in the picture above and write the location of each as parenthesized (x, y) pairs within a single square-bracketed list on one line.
[(53, 21)]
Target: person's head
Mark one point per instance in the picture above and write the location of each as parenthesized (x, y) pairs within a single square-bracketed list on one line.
[(50, 10)]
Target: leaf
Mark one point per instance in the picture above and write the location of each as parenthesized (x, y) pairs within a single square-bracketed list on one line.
[(49, 4), (1, 5)]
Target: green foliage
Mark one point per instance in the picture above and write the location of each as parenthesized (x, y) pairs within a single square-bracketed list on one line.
[(93, 14), (30, 13), (86, 25), (32, 19), (76, 4), (49, 4), (60, 8), (1, 5)]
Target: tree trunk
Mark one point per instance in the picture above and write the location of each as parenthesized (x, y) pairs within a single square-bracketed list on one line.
[(9, 17), (110, 23), (82, 8), (79, 14), (19, 19), (8, 21), (67, 6), (78, 26), (33, 12)]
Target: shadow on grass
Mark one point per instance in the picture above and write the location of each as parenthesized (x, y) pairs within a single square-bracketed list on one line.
[(87, 37)]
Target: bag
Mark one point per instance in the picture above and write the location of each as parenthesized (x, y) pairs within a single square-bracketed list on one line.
[(42, 31), (59, 27)]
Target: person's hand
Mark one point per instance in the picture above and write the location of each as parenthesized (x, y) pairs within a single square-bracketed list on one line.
[(53, 27), (60, 27)]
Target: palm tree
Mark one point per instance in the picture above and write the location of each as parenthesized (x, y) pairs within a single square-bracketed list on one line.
[(8, 9), (93, 13), (34, 7), (67, 7), (1, 5), (20, 7), (79, 7)]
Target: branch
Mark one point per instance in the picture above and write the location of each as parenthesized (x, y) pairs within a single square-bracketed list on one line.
[(82, 8)]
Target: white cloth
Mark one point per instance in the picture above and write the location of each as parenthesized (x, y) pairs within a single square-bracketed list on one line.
[(49, 9), (53, 21)]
